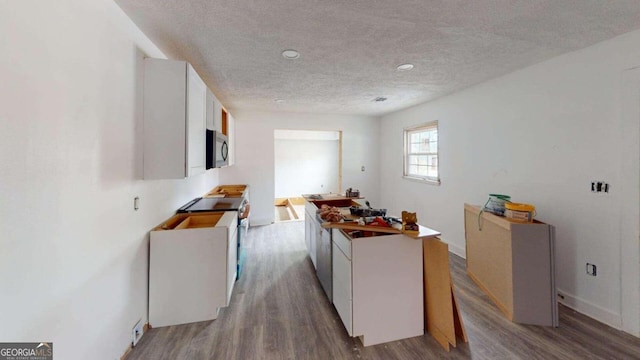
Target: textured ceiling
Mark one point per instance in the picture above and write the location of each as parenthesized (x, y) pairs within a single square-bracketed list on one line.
[(350, 49)]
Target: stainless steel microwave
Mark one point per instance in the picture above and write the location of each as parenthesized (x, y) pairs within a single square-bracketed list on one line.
[(217, 149)]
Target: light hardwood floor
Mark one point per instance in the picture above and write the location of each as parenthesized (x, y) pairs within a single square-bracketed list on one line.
[(279, 311)]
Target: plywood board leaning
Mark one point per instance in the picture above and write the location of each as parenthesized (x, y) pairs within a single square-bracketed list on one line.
[(438, 300), (488, 241), (461, 333)]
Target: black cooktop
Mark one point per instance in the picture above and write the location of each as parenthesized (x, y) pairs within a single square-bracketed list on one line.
[(211, 204)]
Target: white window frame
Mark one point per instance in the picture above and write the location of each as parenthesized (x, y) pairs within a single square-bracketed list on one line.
[(434, 180)]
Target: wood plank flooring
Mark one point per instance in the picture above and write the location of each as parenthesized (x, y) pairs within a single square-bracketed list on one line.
[(279, 311)]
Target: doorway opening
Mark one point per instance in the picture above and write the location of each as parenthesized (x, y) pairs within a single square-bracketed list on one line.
[(305, 162), (629, 203)]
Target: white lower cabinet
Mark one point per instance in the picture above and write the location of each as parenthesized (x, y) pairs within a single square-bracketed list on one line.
[(378, 286), (192, 267), (232, 258), (307, 231), (314, 234), (342, 295), (313, 231)]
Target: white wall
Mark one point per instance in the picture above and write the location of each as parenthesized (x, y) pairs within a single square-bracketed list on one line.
[(254, 148), (306, 167), (73, 258), (541, 135)]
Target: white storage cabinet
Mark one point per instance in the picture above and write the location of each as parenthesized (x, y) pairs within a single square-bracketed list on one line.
[(378, 286), (313, 230), (514, 264), (214, 112), (175, 109), (342, 289), (192, 267)]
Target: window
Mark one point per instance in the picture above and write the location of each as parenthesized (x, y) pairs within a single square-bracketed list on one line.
[(421, 153)]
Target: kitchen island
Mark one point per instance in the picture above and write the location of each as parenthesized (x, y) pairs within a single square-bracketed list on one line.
[(378, 278)]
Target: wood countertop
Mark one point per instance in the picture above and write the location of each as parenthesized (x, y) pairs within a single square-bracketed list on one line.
[(227, 191), (423, 233), (316, 197), (501, 221)]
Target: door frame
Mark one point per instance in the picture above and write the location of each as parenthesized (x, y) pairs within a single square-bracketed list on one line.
[(630, 201)]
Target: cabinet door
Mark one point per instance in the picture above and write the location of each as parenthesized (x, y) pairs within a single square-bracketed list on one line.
[(231, 137), (217, 115), (342, 295), (229, 224), (196, 122), (164, 134), (312, 243), (232, 261), (323, 260), (210, 109), (307, 231)]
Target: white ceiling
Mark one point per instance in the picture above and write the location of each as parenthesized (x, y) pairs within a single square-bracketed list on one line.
[(350, 49)]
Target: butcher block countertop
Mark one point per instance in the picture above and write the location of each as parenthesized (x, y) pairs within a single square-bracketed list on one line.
[(380, 274), (423, 233), (325, 197), (342, 201)]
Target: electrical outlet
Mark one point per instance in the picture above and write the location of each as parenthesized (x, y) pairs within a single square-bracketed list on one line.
[(592, 269), (362, 168), (599, 186), (137, 332)]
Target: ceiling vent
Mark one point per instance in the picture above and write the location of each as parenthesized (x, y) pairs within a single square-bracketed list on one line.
[(379, 99)]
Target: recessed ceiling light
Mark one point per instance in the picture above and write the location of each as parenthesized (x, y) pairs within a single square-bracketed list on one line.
[(379, 99), (404, 67), (290, 54)]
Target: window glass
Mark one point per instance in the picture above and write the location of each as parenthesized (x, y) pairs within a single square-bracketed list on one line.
[(421, 153)]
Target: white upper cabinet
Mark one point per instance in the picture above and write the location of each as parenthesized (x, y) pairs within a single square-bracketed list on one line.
[(211, 99), (214, 112), (175, 110), (231, 137), (196, 123), (217, 115)]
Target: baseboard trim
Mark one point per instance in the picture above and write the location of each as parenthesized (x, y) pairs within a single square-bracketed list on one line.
[(124, 356), (591, 310), (458, 251)]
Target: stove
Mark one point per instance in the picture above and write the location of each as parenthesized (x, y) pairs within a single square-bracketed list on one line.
[(213, 204)]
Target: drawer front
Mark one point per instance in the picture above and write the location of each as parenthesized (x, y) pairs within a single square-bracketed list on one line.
[(341, 240)]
